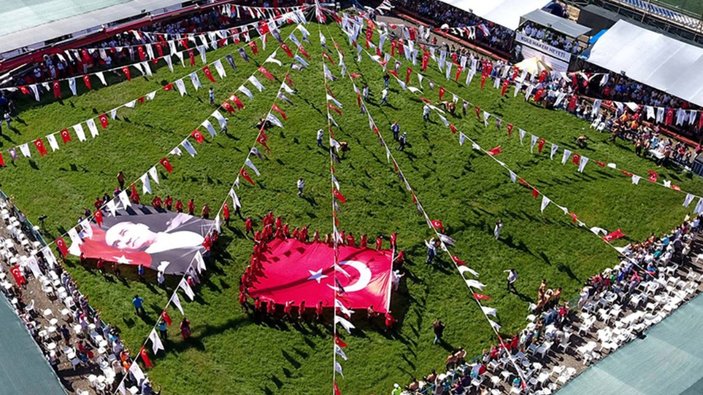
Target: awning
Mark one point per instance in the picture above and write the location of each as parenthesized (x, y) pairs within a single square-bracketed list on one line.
[(653, 59), (28, 22), (561, 25), (503, 12)]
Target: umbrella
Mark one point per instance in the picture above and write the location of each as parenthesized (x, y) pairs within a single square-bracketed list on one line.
[(533, 66)]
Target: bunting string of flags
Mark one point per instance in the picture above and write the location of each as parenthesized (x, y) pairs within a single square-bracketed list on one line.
[(474, 286), (198, 260), (337, 198), (152, 174), (602, 234), (147, 55), (484, 116)]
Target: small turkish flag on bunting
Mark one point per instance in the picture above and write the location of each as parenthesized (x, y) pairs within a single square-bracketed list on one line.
[(510, 129), (266, 73), (40, 146), (246, 176), (395, 73), (228, 107), (535, 192), (184, 43), (336, 389), (86, 80), (262, 138), (57, 90), (287, 50), (254, 48), (280, 111), (477, 110), (483, 80), (574, 218), (2, 161), (355, 75), (167, 165), (98, 217), (103, 120), (134, 195), (141, 100), (458, 261), (168, 86), (601, 164), (127, 73), (626, 173), (452, 128), (145, 358), (303, 51), (408, 73), (675, 187), (442, 91), (459, 70), (208, 73), (191, 57), (437, 224), (65, 136), (61, 245), (617, 234), (479, 296), (540, 145), (334, 108), (24, 89), (142, 55), (338, 195), (495, 151), (237, 102), (338, 341), (576, 159), (652, 175), (504, 88), (197, 136)]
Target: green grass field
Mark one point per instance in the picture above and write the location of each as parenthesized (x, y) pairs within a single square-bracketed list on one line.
[(229, 353), (694, 6)]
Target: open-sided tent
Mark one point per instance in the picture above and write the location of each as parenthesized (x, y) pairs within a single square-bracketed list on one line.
[(653, 59), (503, 12), (558, 24)]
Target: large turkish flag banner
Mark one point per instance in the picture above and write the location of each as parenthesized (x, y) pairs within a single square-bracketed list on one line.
[(296, 271)]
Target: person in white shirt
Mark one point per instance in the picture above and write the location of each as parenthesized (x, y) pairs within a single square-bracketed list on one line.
[(384, 96), (512, 278), (320, 135), (301, 185)]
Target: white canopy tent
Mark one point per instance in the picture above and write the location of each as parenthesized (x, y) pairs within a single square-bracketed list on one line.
[(653, 59), (503, 12)]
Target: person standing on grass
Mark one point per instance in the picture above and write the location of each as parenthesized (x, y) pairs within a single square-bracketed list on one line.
[(163, 329), (211, 96), (138, 303), (320, 136), (191, 207), (384, 96), (301, 185), (386, 80), (395, 128), (121, 179), (185, 328), (431, 251), (497, 229), (512, 278), (438, 328), (403, 140), (365, 92), (426, 112), (179, 206)]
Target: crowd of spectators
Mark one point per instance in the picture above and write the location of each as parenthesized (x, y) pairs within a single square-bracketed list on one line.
[(549, 36), (499, 38)]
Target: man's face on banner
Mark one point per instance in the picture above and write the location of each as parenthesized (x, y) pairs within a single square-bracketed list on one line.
[(129, 236)]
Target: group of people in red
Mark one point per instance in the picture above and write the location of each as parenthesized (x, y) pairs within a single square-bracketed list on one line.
[(274, 228)]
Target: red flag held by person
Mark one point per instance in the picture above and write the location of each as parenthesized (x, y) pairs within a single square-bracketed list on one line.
[(208, 73), (103, 120), (495, 151), (167, 165), (198, 136), (246, 176), (39, 144), (61, 245)]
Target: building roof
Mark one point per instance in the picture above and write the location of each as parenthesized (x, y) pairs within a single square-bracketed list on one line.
[(30, 22), (503, 12), (561, 25)]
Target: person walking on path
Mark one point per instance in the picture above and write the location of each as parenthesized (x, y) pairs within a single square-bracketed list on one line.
[(438, 328), (120, 179), (497, 229), (138, 303), (512, 278)]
